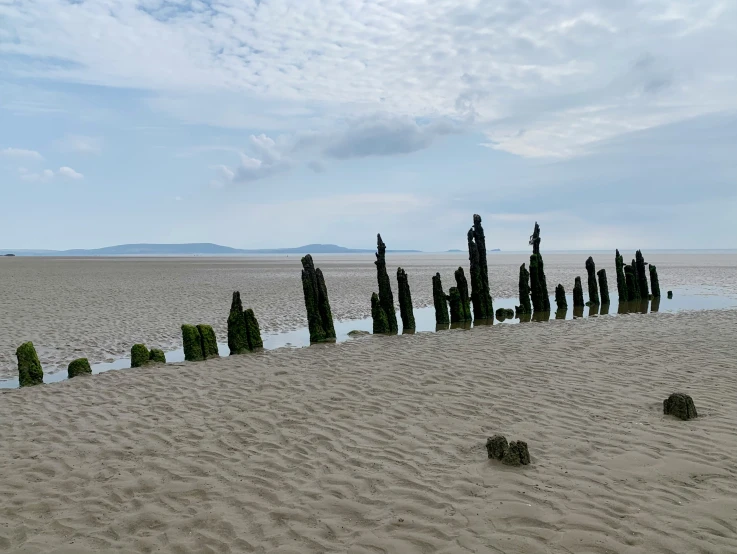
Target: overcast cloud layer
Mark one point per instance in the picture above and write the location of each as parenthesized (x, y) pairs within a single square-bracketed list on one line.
[(617, 118)]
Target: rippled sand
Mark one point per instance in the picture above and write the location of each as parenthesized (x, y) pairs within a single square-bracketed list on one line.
[(377, 445), (100, 307)]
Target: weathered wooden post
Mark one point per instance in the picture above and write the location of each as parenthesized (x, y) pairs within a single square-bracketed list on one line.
[(578, 294), (593, 289), (480, 295), (538, 283), (525, 307), (603, 287), (386, 298), (319, 315), (80, 366), (440, 301), (621, 280), (405, 301), (29, 367)]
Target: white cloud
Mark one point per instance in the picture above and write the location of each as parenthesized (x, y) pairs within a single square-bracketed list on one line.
[(496, 61), (47, 174), (80, 144), (35, 177), (21, 153), (69, 173)]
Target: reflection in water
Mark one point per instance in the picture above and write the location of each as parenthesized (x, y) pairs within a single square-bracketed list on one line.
[(408, 331), (541, 316), (593, 310), (461, 325), (655, 304), (577, 311), (561, 314), (480, 322), (525, 318), (604, 309), (442, 327)]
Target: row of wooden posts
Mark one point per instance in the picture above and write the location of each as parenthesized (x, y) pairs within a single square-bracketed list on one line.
[(460, 306)]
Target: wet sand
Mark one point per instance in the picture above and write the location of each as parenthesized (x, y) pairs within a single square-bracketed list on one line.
[(99, 307), (377, 445)]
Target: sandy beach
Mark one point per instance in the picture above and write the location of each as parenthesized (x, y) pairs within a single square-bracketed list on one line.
[(99, 307), (377, 445)]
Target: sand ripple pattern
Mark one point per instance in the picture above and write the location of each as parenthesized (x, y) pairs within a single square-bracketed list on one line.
[(377, 446)]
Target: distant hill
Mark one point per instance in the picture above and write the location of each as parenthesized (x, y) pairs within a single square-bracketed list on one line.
[(190, 249)]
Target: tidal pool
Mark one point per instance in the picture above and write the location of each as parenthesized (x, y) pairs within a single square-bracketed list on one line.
[(684, 299)]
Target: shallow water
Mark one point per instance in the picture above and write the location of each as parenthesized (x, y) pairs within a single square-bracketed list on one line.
[(686, 298)]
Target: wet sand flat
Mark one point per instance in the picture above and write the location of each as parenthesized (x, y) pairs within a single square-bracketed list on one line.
[(377, 445), (99, 307)]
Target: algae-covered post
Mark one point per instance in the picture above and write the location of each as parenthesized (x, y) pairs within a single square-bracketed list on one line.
[(621, 279), (524, 291), (386, 298), (456, 306), (538, 282), (641, 275), (253, 331), (560, 298), (593, 288), (237, 332), (319, 315), (480, 295), (157, 356), (462, 286), (633, 293), (80, 366), (440, 301), (578, 294), (654, 281), (381, 324), (192, 343), (209, 344), (29, 367), (603, 287), (139, 355), (405, 300)]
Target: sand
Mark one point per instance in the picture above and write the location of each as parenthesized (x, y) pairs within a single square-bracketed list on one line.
[(99, 307), (377, 445)]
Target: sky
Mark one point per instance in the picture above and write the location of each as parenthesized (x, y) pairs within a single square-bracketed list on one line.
[(277, 123)]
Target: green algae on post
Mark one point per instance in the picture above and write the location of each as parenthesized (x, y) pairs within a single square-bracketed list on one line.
[(157, 356), (209, 342), (525, 307), (462, 286), (593, 288), (319, 315), (192, 343), (380, 323), (80, 366), (654, 281), (386, 298), (456, 307), (603, 287), (480, 296), (621, 279), (237, 331), (578, 294), (139, 355), (405, 300), (440, 300), (253, 331), (29, 367)]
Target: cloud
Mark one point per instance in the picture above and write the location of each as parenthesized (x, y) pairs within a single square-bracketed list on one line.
[(21, 153), (388, 137), (80, 144), (47, 174), (607, 68), (70, 173), (35, 177), (358, 138)]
